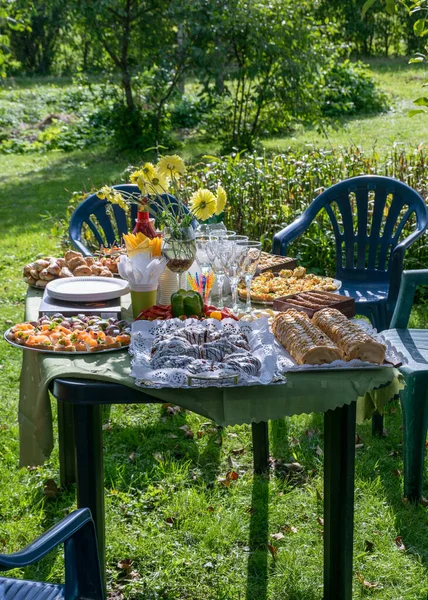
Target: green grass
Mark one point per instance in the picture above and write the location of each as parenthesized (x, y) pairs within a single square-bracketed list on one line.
[(403, 84), (188, 536)]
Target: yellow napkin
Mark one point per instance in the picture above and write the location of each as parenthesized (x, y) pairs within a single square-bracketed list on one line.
[(136, 243)]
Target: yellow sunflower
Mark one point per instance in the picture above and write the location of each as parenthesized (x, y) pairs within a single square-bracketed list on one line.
[(171, 166), (221, 200), (155, 183), (117, 198), (203, 204)]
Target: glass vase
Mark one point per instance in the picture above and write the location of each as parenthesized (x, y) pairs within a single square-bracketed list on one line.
[(179, 249)]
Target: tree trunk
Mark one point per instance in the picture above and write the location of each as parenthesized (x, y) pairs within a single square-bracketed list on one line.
[(127, 88)]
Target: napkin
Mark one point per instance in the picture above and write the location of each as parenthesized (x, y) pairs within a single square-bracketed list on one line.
[(141, 270), (138, 243)]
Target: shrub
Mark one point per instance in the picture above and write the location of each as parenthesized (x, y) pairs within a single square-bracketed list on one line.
[(347, 88)]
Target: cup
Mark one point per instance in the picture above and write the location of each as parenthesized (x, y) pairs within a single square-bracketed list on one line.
[(143, 296)]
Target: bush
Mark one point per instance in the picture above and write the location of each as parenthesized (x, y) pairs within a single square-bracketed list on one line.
[(347, 88)]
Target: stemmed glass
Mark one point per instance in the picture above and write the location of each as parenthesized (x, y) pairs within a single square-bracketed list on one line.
[(202, 259), (214, 253), (179, 248), (248, 259), (229, 257)]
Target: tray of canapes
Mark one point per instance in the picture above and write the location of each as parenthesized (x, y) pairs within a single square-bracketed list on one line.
[(330, 340), (176, 353), (312, 302), (39, 272), (78, 335), (275, 263), (268, 286)]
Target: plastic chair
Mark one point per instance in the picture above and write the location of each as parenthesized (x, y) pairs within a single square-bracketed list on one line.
[(107, 227), (82, 568), (413, 344), (368, 214)]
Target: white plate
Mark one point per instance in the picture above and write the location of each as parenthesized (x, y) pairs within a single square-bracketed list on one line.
[(87, 289)]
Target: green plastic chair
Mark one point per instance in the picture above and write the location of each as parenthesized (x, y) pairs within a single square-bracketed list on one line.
[(413, 344)]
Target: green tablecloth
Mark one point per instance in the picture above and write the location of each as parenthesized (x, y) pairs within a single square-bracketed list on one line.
[(302, 392)]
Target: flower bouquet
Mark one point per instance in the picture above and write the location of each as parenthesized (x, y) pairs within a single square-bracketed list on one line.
[(163, 193)]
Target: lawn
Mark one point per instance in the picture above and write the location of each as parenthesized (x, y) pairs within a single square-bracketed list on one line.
[(403, 84), (186, 535)]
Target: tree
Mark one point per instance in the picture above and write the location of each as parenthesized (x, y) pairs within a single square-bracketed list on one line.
[(268, 56), (11, 19), (35, 46)]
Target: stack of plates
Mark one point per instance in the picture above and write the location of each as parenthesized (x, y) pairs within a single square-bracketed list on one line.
[(87, 289)]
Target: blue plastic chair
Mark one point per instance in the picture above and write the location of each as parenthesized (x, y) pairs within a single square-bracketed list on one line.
[(413, 344), (82, 568), (368, 215), (107, 226)]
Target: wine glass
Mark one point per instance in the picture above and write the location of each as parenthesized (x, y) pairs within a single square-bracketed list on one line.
[(249, 253), (179, 248), (229, 258), (213, 251), (202, 258)]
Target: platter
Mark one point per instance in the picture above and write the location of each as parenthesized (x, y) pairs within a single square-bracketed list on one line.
[(59, 352), (87, 289), (243, 295)]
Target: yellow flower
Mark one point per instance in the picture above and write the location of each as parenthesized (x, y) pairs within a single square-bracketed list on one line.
[(203, 204), (171, 166), (153, 184), (117, 198), (105, 192), (221, 200)]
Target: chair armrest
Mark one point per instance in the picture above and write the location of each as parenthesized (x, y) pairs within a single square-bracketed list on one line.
[(409, 281), (397, 259), (287, 235), (48, 541)]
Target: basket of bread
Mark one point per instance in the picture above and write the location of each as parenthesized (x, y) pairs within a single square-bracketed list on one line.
[(74, 264)]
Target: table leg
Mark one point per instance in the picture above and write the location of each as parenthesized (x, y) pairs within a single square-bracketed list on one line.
[(90, 469), (339, 469), (67, 458), (260, 433)]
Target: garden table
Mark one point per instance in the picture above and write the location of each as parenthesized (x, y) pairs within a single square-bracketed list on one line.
[(83, 384)]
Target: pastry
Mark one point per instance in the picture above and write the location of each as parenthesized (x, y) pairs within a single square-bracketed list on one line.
[(266, 287), (78, 261), (82, 271), (352, 341), (306, 343)]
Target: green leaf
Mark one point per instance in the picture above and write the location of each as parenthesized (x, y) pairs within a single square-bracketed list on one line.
[(366, 6), (213, 158), (390, 7), (422, 101), (419, 27), (416, 111)]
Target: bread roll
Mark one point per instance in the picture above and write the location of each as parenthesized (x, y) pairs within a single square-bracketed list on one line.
[(352, 341), (40, 264), (82, 271), (76, 262), (306, 343), (65, 272), (70, 254)]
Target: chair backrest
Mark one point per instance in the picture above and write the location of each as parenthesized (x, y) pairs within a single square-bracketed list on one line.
[(368, 215), (104, 222), (410, 280)]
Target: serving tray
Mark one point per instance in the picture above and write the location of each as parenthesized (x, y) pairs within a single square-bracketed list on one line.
[(393, 358), (344, 304), (59, 352)]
